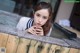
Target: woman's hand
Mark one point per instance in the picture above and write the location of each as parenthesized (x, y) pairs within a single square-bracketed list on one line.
[(36, 30), (39, 31)]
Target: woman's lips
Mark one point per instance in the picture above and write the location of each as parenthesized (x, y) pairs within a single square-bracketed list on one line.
[(38, 24)]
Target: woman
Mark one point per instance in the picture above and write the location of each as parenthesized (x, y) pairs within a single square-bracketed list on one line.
[(40, 23)]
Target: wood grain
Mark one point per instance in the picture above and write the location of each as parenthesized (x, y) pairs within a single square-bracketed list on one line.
[(3, 39), (73, 50), (23, 46), (12, 44)]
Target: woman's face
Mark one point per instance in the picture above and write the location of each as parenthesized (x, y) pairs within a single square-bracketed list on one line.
[(41, 17)]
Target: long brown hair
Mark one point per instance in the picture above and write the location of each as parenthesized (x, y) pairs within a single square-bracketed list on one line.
[(44, 5)]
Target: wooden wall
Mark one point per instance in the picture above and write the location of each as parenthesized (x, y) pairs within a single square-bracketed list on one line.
[(14, 44)]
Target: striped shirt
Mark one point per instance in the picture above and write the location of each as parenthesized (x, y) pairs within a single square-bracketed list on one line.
[(29, 23), (24, 23)]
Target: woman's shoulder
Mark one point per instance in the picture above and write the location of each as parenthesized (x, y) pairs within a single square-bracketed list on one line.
[(22, 23), (25, 18)]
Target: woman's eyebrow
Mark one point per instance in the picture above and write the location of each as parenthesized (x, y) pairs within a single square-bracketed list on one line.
[(38, 13), (42, 15), (45, 16)]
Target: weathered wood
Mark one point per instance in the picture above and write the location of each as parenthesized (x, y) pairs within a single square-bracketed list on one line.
[(38, 47), (3, 39), (12, 44), (79, 50), (23, 45), (46, 47), (52, 49), (32, 46), (58, 49), (65, 50), (73, 50)]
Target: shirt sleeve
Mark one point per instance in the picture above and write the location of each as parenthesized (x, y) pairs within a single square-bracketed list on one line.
[(22, 23)]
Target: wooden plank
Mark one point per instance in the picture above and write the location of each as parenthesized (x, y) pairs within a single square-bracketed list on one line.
[(23, 46), (12, 44), (3, 39), (37, 47), (79, 50), (65, 50), (32, 46), (46, 48), (52, 49), (73, 50), (57, 49)]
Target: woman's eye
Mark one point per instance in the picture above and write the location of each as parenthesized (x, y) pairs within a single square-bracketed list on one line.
[(44, 17), (38, 15)]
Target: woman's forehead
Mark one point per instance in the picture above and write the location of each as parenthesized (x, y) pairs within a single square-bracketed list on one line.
[(44, 12)]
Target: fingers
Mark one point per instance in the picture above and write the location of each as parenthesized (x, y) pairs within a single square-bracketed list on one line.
[(39, 31), (31, 30), (36, 30)]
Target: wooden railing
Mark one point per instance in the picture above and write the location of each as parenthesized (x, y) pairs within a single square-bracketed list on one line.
[(14, 44)]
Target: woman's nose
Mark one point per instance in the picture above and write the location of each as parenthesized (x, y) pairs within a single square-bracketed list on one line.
[(40, 20)]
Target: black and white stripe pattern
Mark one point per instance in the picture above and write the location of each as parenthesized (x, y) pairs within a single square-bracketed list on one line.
[(29, 23)]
